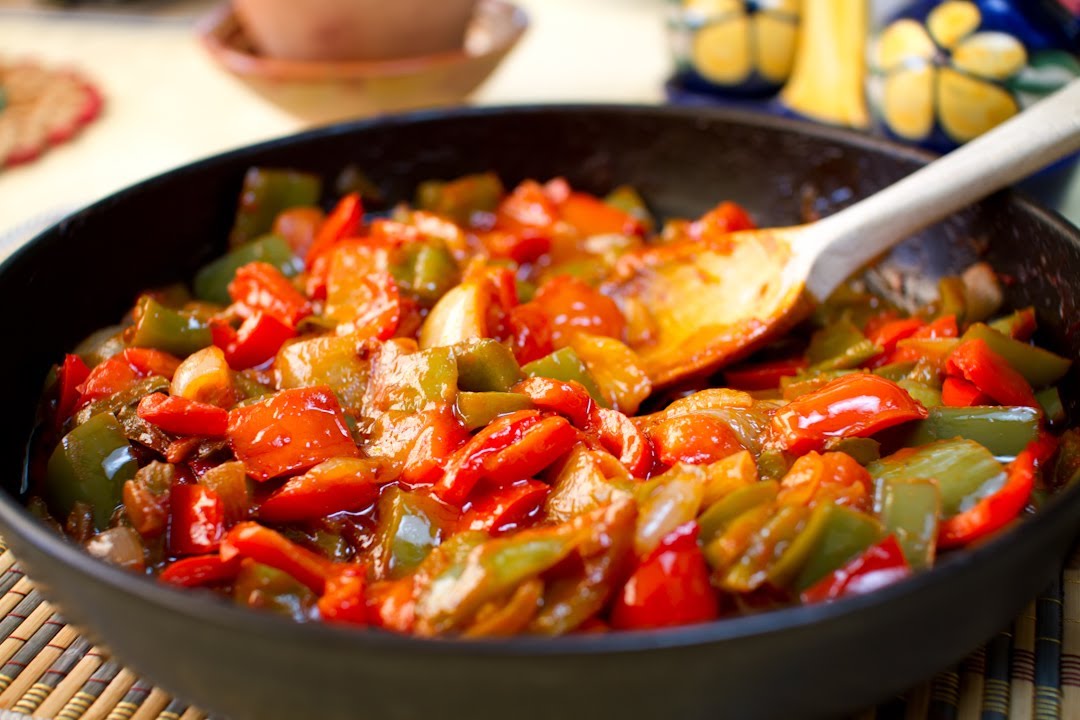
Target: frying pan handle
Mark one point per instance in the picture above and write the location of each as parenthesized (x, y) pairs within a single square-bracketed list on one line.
[(1047, 131)]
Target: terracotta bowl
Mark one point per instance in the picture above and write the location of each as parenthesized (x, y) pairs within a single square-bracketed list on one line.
[(354, 29), (324, 92)]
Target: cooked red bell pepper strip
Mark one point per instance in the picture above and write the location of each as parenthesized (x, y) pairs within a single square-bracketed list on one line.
[(342, 484), (763, 376), (727, 217), (291, 432), (1019, 326), (181, 416), (73, 373), (504, 508), (298, 226), (994, 511), (696, 439), (200, 570), (110, 376), (591, 216), (266, 546), (521, 246), (148, 361), (257, 341), (974, 361), (344, 600), (668, 587), (392, 605), (571, 305), (943, 327), (122, 370), (530, 333), (855, 405), (566, 397), (512, 447), (442, 435), (958, 392), (528, 207), (342, 222), (887, 334), (625, 440), (878, 566), (1043, 448), (196, 520), (261, 286)]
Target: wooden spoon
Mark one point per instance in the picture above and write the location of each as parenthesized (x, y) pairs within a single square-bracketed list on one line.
[(712, 302)]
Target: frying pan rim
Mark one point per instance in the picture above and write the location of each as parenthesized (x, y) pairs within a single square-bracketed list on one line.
[(205, 607)]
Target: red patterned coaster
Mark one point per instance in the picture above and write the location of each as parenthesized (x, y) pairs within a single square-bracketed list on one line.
[(41, 107)]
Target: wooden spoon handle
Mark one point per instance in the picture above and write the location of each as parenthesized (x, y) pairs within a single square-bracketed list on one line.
[(837, 246)]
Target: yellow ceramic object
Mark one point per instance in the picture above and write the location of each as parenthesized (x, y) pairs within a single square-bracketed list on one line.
[(732, 43), (957, 84), (827, 81), (951, 21), (969, 106), (722, 51)]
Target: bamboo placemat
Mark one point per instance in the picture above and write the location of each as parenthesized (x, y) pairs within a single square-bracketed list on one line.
[(1029, 671)]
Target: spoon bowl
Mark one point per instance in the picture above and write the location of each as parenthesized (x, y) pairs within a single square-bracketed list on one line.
[(714, 301)]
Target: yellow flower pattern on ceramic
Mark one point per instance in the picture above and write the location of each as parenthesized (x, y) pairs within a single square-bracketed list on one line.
[(946, 70), (732, 42)]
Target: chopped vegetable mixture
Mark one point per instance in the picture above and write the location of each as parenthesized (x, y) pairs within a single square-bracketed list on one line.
[(436, 420)]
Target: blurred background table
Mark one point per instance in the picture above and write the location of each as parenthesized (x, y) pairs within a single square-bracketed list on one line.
[(167, 103)]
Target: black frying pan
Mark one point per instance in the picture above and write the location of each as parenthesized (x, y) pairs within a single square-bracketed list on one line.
[(804, 661)]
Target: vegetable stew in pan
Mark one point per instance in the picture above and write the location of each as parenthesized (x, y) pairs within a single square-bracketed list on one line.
[(435, 420)]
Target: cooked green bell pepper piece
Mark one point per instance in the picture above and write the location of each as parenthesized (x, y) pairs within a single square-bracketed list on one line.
[(795, 386), (564, 364), (266, 192), (628, 200), (266, 588), (477, 409), (844, 534), (459, 199), (426, 270), (847, 303), (410, 381), (1038, 366), (840, 346), (486, 366), (166, 329), (1050, 400), (926, 372), (798, 552), (895, 371), (910, 509), (91, 465), (965, 471), (952, 293), (757, 564), (1014, 322), (410, 525), (489, 571), (1004, 431), (212, 281), (590, 270), (712, 522), (863, 450), (774, 464), (927, 395)]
